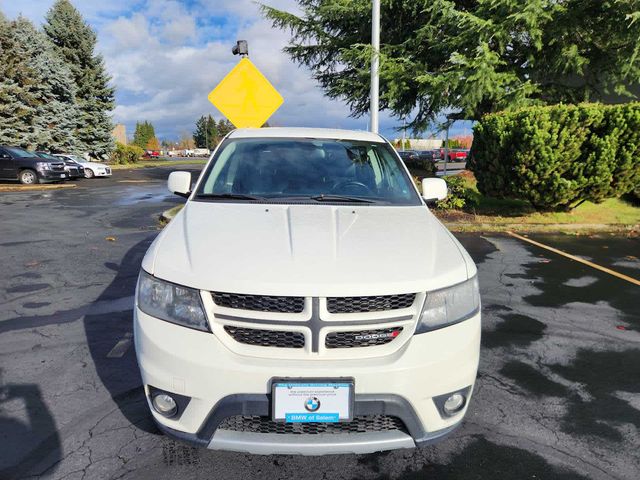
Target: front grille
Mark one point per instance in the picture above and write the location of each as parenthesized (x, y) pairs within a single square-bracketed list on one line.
[(266, 338), (362, 338), (377, 303), (260, 303), (360, 424)]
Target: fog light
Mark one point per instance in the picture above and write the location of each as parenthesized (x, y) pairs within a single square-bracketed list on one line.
[(454, 403), (165, 405)]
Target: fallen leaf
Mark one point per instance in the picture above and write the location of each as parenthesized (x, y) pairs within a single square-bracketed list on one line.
[(110, 239)]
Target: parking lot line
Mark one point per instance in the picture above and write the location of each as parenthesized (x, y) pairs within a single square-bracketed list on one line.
[(622, 276), (120, 348)]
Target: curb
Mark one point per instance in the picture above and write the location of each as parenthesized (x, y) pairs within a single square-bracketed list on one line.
[(31, 188), (568, 228), (167, 215)]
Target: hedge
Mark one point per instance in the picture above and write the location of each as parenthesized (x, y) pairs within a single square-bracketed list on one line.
[(124, 154), (558, 156)]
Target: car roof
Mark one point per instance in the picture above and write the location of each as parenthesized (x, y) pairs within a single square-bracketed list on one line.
[(302, 132)]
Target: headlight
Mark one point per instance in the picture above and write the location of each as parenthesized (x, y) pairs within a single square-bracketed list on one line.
[(171, 302), (450, 305), (41, 166)]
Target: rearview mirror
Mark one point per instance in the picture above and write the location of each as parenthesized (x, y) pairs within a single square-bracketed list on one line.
[(433, 189), (180, 183)]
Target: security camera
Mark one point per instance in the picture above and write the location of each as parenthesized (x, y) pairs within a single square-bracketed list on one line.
[(241, 48)]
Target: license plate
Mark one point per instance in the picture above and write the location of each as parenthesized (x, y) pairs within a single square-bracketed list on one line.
[(305, 401), (62, 175)]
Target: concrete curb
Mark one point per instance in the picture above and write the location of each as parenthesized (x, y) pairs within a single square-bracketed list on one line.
[(569, 228), (167, 215), (31, 188)]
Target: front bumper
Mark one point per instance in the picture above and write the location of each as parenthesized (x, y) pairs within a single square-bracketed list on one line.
[(102, 173), (52, 176), (223, 384)]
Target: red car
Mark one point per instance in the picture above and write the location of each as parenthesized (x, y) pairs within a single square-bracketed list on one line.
[(151, 154), (455, 154)]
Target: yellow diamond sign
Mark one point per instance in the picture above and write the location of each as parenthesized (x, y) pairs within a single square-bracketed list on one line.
[(245, 96)]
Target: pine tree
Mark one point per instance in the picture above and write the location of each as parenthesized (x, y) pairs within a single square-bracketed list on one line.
[(17, 102), (76, 41), (206, 134), (40, 112), (143, 133), (466, 57)]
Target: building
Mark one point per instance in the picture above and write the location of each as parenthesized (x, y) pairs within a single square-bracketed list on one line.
[(421, 143), (120, 133)]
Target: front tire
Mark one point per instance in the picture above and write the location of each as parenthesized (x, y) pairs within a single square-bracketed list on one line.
[(28, 177), (88, 173)]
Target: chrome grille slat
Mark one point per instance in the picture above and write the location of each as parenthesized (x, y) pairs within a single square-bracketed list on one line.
[(259, 303), (360, 424), (378, 303)]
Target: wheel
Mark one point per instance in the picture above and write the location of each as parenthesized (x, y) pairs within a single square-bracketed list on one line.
[(88, 173), (28, 177)]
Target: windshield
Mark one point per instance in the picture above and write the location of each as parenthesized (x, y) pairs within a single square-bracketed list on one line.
[(272, 169), (46, 155), (20, 153)]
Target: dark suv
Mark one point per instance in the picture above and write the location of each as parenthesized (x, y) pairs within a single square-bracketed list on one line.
[(27, 167)]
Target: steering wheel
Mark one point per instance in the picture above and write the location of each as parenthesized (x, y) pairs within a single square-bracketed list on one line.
[(351, 183)]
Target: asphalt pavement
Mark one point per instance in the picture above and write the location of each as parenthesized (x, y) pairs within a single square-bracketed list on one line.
[(557, 396)]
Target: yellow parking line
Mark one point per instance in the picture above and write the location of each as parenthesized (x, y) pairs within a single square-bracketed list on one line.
[(577, 259)]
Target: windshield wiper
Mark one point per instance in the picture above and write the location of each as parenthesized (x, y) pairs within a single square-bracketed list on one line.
[(340, 198), (230, 196)]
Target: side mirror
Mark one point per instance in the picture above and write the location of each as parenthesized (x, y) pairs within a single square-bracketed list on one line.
[(434, 189), (180, 183)]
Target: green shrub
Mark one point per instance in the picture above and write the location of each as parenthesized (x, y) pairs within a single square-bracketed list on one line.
[(557, 157), (459, 195), (124, 154)]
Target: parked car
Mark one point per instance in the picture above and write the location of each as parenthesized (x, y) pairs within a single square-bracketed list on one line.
[(200, 152), (74, 169), (91, 169), (27, 167), (306, 300), (455, 154), (410, 158), (151, 154), (427, 156)]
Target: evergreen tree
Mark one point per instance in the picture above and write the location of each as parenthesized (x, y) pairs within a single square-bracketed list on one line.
[(40, 111), (143, 133), (17, 101), (468, 57), (75, 41), (206, 134), (224, 127)]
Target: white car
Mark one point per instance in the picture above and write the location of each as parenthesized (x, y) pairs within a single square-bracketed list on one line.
[(306, 301), (91, 169)]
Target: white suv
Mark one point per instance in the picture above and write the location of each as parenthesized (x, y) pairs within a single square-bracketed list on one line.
[(306, 300)]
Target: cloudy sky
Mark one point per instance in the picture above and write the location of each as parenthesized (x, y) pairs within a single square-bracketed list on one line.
[(165, 56)]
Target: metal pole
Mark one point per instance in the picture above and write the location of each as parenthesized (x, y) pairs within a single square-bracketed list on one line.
[(404, 132), (446, 149), (375, 65)]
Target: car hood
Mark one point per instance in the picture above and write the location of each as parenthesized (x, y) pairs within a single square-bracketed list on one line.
[(307, 250), (92, 165)]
